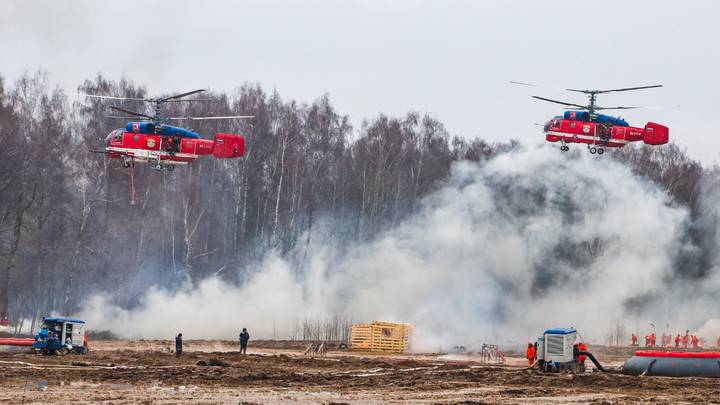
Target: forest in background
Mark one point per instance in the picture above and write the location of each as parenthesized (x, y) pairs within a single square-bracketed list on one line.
[(67, 227)]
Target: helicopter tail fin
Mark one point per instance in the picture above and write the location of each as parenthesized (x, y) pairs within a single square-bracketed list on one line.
[(656, 134), (228, 145)]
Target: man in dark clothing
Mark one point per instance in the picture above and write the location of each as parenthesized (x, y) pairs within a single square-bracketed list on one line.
[(178, 345), (244, 337)]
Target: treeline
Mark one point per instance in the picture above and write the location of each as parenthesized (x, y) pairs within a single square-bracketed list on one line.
[(67, 226)]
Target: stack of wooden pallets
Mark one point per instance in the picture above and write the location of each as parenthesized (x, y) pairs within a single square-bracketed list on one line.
[(381, 336)]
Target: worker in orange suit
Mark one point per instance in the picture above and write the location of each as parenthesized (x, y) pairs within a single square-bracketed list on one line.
[(677, 341), (633, 339), (694, 339), (653, 339), (530, 354), (583, 348), (685, 340)]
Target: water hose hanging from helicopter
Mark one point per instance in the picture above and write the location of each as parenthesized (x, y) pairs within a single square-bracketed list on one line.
[(132, 183)]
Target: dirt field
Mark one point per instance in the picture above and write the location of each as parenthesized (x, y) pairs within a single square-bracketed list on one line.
[(210, 372)]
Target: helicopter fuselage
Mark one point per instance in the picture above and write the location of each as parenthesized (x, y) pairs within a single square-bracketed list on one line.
[(162, 150), (603, 134)]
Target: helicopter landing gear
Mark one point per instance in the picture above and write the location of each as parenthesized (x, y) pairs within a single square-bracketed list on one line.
[(128, 162), (593, 150), (564, 148), (154, 162)]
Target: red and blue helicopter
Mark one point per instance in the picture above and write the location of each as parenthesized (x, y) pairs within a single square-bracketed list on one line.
[(583, 124), (162, 145)]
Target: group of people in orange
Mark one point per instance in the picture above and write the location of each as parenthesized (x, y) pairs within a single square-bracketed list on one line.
[(681, 341)]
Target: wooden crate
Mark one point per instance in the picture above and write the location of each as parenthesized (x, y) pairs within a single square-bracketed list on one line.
[(380, 336)]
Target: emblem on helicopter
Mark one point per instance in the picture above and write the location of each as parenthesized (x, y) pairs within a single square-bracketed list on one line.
[(150, 143), (586, 129)]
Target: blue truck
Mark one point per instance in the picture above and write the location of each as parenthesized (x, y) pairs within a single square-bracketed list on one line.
[(61, 336)]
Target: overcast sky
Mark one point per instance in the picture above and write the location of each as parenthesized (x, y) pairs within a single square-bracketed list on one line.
[(450, 58)]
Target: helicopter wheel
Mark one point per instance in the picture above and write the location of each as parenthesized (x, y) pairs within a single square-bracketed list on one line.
[(592, 150), (170, 168), (600, 151), (564, 148), (126, 164)]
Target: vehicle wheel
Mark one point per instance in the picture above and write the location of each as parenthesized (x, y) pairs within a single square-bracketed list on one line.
[(592, 150), (600, 151)]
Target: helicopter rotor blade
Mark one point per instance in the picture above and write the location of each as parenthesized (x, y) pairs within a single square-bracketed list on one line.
[(525, 84), (536, 85), (228, 117), (110, 97), (119, 117), (617, 108), (631, 88), (181, 95), (192, 99), (614, 90), (560, 102), (137, 114)]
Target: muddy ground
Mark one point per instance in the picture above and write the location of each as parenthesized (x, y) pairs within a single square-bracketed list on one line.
[(211, 372)]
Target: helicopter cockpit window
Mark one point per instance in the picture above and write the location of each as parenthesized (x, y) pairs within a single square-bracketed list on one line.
[(117, 135)]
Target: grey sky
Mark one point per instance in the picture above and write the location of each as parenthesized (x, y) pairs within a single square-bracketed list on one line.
[(451, 58)]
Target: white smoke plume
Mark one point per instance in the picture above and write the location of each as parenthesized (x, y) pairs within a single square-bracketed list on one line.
[(528, 240)]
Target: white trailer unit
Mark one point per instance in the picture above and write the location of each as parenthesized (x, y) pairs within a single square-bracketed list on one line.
[(557, 353)]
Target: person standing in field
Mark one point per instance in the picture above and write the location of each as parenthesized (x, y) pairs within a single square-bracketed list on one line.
[(178, 345), (530, 354), (244, 338)]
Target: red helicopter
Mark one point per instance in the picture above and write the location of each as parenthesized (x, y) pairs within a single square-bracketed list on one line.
[(164, 146), (598, 131)]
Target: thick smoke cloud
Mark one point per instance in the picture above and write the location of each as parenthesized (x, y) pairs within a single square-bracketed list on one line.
[(528, 240)]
